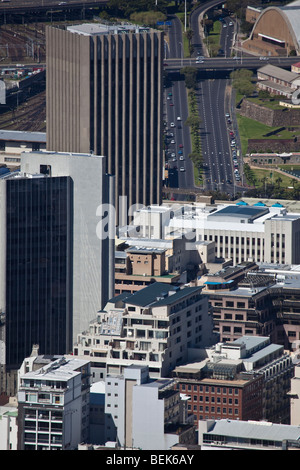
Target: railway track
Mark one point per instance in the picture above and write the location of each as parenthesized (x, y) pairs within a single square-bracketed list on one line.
[(28, 116)]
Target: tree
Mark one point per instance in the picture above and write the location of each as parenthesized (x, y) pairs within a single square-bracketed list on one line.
[(241, 74), (189, 35), (190, 76), (193, 121), (244, 87)]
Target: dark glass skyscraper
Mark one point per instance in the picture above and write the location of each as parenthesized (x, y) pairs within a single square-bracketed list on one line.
[(56, 265), (39, 234)]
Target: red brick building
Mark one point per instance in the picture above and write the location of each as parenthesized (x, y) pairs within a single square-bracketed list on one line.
[(214, 398)]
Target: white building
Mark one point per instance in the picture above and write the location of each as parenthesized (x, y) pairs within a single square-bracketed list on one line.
[(159, 425), (54, 406), (226, 434), (241, 232), (8, 427), (294, 395), (160, 326)]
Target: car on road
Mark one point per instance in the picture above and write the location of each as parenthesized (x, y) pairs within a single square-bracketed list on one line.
[(181, 146), (182, 169), (172, 124), (178, 118), (171, 104), (227, 115), (179, 152), (172, 141), (181, 157), (199, 61), (230, 23), (173, 155)]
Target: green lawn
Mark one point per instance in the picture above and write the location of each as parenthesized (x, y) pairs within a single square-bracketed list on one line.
[(248, 128)]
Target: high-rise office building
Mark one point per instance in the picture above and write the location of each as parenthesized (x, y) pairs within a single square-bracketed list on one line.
[(104, 95), (55, 271)]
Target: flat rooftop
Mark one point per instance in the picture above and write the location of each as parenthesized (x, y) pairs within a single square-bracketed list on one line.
[(92, 29), (22, 136), (62, 369), (255, 430), (237, 212)]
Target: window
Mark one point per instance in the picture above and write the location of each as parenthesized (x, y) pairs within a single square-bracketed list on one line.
[(57, 399)]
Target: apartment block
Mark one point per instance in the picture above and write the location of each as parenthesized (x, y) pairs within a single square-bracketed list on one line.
[(160, 326), (53, 406)]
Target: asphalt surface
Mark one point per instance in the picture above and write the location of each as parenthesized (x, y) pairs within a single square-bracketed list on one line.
[(214, 128), (181, 172)]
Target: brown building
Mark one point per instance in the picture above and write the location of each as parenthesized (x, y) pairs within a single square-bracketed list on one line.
[(245, 310), (138, 267), (248, 378), (276, 31), (218, 398), (104, 96)]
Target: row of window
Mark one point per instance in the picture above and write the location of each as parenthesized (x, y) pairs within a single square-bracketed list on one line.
[(213, 409), (208, 389)]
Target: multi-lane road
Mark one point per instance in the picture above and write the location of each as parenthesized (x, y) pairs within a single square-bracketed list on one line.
[(213, 104), (221, 157)]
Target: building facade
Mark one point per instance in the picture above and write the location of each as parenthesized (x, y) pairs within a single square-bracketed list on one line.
[(159, 426), (104, 95), (247, 379), (228, 434), (54, 406), (55, 269), (241, 232), (160, 326)]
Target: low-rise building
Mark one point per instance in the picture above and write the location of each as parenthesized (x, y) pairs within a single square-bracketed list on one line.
[(277, 81), (13, 143), (226, 434)]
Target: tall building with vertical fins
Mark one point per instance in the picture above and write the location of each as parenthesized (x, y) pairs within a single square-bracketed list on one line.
[(104, 95)]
